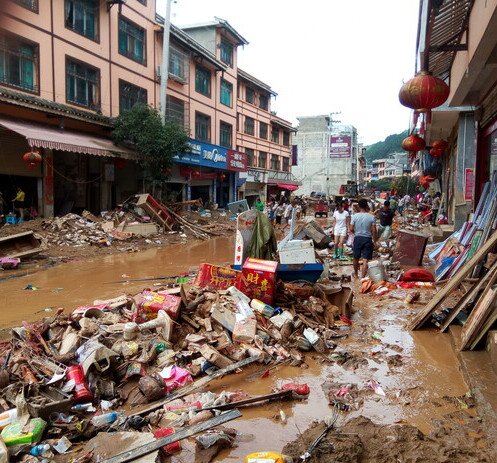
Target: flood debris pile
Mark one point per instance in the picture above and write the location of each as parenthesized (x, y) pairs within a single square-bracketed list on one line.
[(141, 363)]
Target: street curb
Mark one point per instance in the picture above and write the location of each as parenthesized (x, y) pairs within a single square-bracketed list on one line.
[(481, 378)]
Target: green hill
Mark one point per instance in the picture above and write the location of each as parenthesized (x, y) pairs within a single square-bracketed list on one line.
[(382, 149)]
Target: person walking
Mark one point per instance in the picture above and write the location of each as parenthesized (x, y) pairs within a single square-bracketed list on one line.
[(341, 223), (386, 215), (279, 211), (18, 202), (435, 207), (259, 205), (288, 213), (364, 228)]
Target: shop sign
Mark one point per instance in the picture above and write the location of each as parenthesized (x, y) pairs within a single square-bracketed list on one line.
[(237, 161), (340, 146), (204, 154), (255, 176), (196, 175), (469, 184)]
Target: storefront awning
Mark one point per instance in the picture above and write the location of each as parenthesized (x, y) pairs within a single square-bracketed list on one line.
[(45, 136), (284, 186)]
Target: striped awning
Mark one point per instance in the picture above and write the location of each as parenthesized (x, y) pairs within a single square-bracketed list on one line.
[(45, 136)]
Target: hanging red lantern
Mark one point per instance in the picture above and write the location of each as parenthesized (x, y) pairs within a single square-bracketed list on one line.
[(413, 143), (120, 163), (436, 152), (423, 93), (425, 181), (32, 159), (440, 144), (195, 173), (222, 177)]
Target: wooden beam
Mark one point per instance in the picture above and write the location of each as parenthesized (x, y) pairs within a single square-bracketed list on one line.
[(422, 317), (190, 388), (189, 431)]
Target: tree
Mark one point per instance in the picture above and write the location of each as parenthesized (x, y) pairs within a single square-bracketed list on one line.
[(141, 127), (383, 184), (405, 184)]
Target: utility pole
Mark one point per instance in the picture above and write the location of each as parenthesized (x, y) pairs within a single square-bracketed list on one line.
[(164, 72)]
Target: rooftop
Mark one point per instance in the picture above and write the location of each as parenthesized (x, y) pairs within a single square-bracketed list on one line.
[(218, 23), (254, 81)]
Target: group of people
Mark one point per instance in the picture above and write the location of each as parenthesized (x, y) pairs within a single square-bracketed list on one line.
[(281, 212)]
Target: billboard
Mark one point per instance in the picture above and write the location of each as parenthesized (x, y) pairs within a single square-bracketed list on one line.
[(340, 146)]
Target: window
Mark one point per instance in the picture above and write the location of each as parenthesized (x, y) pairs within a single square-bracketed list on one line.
[(130, 95), (262, 159), (275, 162), (226, 52), (250, 156), (175, 110), (275, 135), (264, 102), (249, 95), (202, 81), (249, 126), (143, 2), (286, 164), (263, 130), (226, 93), (29, 4), (202, 127), (131, 40), (82, 84), (225, 134), (82, 17), (18, 63), (177, 64), (286, 138)]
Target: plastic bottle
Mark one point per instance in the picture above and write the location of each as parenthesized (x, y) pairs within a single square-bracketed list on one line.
[(262, 308), (39, 450), (102, 420)]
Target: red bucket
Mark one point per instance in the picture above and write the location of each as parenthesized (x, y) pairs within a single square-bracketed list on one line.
[(81, 391)]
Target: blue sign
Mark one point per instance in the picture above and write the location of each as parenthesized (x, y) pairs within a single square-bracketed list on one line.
[(204, 154)]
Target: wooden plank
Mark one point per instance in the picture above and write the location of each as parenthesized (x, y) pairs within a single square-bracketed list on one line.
[(189, 431), (492, 318), (190, 388), (421, 318), (469, 297), (478, 316)]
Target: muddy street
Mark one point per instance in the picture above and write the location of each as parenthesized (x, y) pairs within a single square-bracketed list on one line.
[(417, 371)]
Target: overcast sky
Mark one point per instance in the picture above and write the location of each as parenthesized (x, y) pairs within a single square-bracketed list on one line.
[(322, 56)]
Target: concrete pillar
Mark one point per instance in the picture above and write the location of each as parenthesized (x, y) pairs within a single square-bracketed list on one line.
[(466, 159), (214, 191), (47, 207)]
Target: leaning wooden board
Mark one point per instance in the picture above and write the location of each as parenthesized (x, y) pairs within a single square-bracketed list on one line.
[(422, 317), (475, 322), (469, 297)]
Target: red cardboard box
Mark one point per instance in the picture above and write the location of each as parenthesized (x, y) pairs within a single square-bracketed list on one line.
[(216, 277), (151, 302), (258, 279)]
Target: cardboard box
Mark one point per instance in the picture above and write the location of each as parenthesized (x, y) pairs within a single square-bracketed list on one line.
[(151, 302), (258, 279), (410, 248), (298, 252), (216, 277)]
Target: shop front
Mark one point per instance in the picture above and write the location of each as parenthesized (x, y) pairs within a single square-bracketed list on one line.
[(210, 172), (252, 185)]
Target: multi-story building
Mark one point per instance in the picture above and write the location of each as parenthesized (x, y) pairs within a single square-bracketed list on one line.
[(68, 67), (457, 43), (396, 165), (327, 155), (261, 135)]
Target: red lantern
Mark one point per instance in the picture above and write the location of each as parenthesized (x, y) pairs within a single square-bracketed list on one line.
[(425, 181), (423, 93), (413, 143), (436, 152), (440, 144), (32, 159), (222, 177), (195, 173)]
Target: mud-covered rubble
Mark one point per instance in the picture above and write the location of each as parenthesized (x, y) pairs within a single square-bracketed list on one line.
[(459, 438)]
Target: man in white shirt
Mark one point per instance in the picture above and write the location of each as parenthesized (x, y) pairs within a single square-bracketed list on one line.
[(341, 220)]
